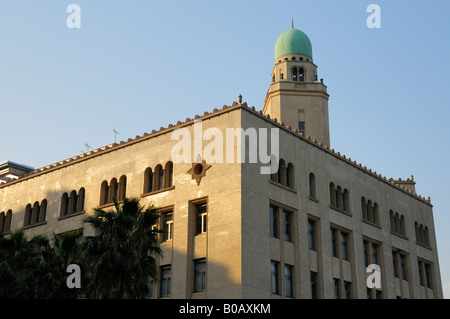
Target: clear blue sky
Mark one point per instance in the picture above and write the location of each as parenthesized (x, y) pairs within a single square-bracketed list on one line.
[(139, 65)]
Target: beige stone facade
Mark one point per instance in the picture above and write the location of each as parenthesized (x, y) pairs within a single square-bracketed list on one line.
[(307, 231)]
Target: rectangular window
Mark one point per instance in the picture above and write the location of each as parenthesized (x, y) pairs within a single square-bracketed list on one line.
[(394, 262), (166, 275), (200, 275), (379, 294), (421, 274), (313, 285), (287, 225), (334, 243), (301, 127), (168, 226), (274, 274), (201, 219), (288, 282), (403, 266), (366, 252), (344, 246), (428, 275), (273, 222), (311, 234), (348, 289), (369, 293), (152, 289), (337, 293), (374, 254)]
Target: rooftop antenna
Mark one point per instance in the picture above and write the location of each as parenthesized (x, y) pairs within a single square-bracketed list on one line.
[(292, 22), (87, 147), (115, 135)]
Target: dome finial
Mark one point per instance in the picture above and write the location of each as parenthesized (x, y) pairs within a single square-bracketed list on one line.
[(292, 22)]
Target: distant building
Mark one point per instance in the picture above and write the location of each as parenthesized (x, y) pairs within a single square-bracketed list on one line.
[(310, 230), (10, 171)]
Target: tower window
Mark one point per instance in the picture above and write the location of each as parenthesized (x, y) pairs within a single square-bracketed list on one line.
[(294, 74), (301, 127), (301, 75)]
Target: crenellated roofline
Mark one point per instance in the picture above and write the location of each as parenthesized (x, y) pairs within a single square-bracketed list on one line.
[(216, 112)]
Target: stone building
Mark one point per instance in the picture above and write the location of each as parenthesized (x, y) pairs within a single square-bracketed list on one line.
[(307, 231)]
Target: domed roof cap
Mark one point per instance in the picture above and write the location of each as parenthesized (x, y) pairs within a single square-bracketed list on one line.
[(293, 41)]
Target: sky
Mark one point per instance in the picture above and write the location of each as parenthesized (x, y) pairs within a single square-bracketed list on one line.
[(137, 65)]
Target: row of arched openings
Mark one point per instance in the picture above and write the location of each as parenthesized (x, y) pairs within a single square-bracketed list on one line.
[(339, 198), (35, 214), (370, 211), (285, 174), (422, 234), (72, 203), (298, 74), (158, 179), (398, 225), (113, 189), (5, 222)]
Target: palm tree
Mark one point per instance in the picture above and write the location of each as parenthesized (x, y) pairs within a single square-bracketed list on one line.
[(20, 259), (120, 261)]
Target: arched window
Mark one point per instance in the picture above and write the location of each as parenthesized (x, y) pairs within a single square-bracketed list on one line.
[(282, 172), (168, 178), (64, 209), (416, 227), (28, 213), (274, 176), (312, 186), (113, 190), (376, 217), (340, 198), (392, 218), (2, 222), (35, 213), (301, 75), (346, 201), (364, 208), (159, 177), (42, 211), (80, 201), (421, 234), (72, 202), (294, 74), (402, 225), (7, 224), (104, 193), (148, 180), (397, 223), (427, 237), (332, 195), (369, 211), (290, 176), (122, 188)]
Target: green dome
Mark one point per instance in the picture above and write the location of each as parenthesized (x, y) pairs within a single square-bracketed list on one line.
[(293, 41)]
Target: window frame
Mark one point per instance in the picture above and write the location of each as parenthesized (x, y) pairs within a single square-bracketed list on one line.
[(201, 218), (166, 277), (275, 277), (201, 274)]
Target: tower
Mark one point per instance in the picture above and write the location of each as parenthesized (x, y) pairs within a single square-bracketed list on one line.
[(295, 96)]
